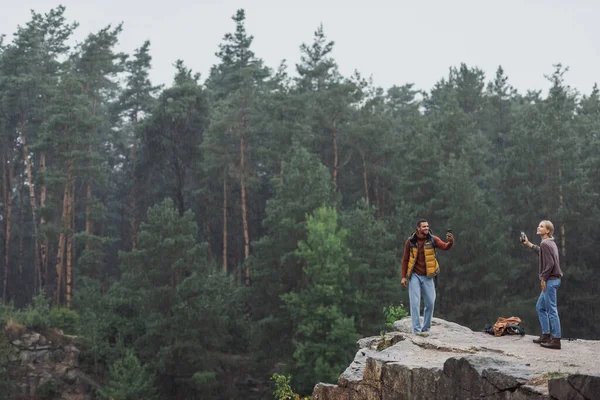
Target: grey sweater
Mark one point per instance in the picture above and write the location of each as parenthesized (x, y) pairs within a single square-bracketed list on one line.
[(549, 263)]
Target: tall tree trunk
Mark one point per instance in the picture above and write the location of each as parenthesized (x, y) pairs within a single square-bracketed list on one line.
[(209, 239), (180, 187), (382, 196), (60, 257), (103, 200), (244, 213), (33, 205), (378, 198), (7, 192), (133, 193), (44, 242), (21, 256), (89, 200), (225, 221), (69, 244), (561, 200), (335, 155), (89, 226), (365, 182)]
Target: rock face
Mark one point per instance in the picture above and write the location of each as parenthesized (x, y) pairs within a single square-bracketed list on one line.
[(453, 362), (47, 366)]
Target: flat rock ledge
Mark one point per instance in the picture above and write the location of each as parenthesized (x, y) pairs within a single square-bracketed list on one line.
[(453, 362)]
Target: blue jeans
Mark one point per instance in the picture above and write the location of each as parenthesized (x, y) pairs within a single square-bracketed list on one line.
[(547, 309), (416, 285)]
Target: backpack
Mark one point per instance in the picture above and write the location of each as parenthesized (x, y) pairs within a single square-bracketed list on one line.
[(506, 326)]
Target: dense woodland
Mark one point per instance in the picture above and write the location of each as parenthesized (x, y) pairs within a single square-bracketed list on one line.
[(212, 232)]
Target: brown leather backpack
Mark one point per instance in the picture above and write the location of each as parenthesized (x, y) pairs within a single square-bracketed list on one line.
[(508, 326)]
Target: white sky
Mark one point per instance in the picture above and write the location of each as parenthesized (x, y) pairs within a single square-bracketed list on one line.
[(395, 42)]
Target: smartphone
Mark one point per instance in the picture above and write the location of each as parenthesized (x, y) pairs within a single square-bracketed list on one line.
[(522, 236)]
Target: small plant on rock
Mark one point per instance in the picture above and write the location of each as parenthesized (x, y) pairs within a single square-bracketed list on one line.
[(556, 375), (393, 314), (283, 388)]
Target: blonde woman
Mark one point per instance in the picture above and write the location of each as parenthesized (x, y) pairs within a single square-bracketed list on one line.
[(550, 275)]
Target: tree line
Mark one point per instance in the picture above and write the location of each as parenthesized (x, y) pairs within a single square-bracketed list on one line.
[(210, 233)]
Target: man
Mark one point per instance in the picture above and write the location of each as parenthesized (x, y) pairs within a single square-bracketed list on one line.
[(419, 267)]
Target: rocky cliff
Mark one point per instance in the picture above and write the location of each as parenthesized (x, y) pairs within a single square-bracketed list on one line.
[(453, 362), (46, 365)]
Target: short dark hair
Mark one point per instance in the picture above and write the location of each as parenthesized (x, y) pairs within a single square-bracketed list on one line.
[(420, 221)]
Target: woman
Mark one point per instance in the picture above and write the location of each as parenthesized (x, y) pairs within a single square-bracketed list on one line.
[(550, 275)]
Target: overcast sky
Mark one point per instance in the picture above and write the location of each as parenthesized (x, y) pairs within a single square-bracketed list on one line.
[(395, 42)]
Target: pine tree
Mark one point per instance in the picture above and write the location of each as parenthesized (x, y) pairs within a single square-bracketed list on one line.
[(98, 64), (31, 64), (129, 380), (305, 187), (135, 103), (236, 83), (171, 138), (371, 150), (374, 267), (65, 132), (328, 97), (163, 292), (323, 333)]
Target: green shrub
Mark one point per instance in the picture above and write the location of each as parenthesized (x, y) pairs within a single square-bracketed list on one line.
[(283, 388), (393, 314), (129, 379), (37, 315), (6, 384), (47, 390), (6, 312), (64, 319)]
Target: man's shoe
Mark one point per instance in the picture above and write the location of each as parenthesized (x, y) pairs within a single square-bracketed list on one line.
[(545, 338), (554, 343)]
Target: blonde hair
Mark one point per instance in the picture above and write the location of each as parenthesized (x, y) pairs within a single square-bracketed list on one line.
[(548, 225)]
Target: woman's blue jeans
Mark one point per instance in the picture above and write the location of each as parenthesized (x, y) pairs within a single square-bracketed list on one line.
[(547, 309), (416, 285)]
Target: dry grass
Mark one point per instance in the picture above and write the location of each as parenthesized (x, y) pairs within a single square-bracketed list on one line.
[(543, 380), (14, 330)]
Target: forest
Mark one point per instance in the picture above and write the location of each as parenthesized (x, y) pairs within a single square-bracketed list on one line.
[(208, 234)]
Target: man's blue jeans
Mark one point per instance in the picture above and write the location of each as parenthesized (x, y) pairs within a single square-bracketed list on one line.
[(416, 285), (547, 309)]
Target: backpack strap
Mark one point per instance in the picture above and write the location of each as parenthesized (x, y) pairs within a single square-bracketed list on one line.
[(514, 329)]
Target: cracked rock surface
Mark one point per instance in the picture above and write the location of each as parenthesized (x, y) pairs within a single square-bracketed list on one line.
[(453, 362), (35, 360)]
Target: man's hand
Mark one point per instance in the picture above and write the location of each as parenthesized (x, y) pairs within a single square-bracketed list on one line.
[(449, 237), (543, 286), (404, 282)]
